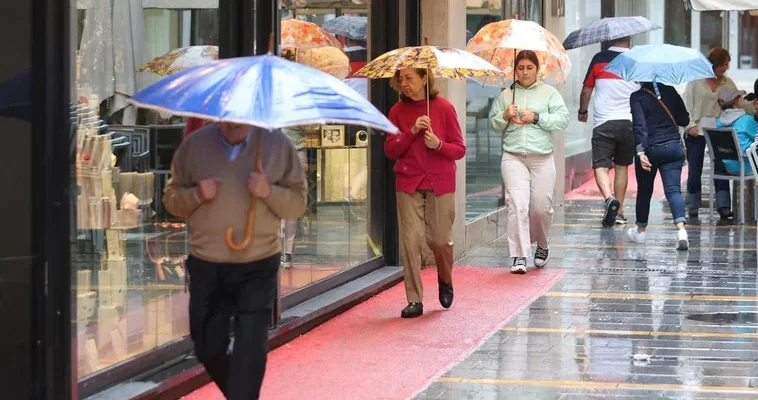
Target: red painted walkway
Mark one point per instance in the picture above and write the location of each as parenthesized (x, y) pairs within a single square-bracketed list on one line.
[(369, 352), (589, 190)]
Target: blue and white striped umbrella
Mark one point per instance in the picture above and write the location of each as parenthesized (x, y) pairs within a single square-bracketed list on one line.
[(608, 29), (265, 91), (351, 27)]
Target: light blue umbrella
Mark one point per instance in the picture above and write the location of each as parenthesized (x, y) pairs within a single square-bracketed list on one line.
[(661, 63), (265, 91)]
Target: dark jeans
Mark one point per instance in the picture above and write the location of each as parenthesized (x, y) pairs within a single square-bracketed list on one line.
[(219, 292), (695, 158), (667, 158)]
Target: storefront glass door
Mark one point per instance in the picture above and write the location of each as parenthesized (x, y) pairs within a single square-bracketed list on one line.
[(127, 251), (335, 234)]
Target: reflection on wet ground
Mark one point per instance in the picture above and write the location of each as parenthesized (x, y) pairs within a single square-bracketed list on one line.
[(627, 320)]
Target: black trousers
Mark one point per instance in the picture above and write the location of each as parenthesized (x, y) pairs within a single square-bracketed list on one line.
[(244, 292)]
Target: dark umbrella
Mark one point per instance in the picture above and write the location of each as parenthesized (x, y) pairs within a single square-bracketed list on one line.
[(15, 97), (608, 29)]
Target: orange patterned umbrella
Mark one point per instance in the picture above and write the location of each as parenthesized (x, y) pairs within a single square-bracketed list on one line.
[(299, 34), (499, 42), (180, 59), (441, 62)]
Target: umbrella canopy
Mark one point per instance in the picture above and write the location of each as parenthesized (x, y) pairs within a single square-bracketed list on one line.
[(297, 34), (608, 29), (265, 91), (326, 59), (180, 59), (499, 42), (442, 62), (662, 63), (723, 5), (351, 27)]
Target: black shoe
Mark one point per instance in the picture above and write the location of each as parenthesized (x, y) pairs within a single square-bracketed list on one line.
[(412, 310), (446, 294), (725, 213), (611, 211)]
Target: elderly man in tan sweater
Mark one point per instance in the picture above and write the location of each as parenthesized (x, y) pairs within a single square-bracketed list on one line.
[(213, 176)]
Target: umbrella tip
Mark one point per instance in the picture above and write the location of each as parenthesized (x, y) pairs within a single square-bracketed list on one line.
[(426, 41)]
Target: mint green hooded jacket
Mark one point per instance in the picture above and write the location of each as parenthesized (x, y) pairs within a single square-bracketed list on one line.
[(530, 138)]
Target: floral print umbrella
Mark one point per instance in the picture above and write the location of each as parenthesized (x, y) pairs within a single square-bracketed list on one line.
[(442, 62), (297, 34), (180, 59), (499, 42)]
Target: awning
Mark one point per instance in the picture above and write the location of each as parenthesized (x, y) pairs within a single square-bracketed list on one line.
[(167, 4), (723, 5)]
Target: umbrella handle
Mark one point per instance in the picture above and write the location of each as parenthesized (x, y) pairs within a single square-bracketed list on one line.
[(517, 122), (248, 230), (250, 214)]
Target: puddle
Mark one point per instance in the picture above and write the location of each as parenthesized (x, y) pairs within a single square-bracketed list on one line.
[(726, 318)]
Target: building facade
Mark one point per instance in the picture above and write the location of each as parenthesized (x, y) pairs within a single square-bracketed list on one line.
[(92, 285)]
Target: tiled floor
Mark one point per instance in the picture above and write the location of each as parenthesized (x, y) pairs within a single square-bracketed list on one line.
[(625, 321)]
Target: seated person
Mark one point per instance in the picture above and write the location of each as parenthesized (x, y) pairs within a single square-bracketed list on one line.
[(734, 116)]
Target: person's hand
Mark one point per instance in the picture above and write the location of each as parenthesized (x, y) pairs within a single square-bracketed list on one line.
[(582, 117), (207, 189), (431, 140), (693, 131), (527, 116), (510, 112), (645, 162), (422, 122), (257, 183)]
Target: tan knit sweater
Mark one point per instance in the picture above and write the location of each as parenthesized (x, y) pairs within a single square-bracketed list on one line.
[(201, 156)]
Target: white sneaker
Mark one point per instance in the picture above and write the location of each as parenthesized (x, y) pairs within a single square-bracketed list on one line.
[(635, 235), (519, 266), (682, 241)]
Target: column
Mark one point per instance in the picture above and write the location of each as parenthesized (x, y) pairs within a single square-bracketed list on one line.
[(557, 26), (443, 23)]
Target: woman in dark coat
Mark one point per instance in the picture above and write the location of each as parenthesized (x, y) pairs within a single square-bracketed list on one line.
[(657, 113)]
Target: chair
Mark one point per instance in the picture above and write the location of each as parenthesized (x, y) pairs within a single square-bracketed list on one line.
[(752, 156), (724, 145)]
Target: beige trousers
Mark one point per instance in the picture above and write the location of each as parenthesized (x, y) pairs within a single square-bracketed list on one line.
[(529, 185), (422, 215)]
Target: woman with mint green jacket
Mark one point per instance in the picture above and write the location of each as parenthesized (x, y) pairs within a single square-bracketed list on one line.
[(527, 121)]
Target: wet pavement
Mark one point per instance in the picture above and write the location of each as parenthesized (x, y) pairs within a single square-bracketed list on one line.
[(627, 320)]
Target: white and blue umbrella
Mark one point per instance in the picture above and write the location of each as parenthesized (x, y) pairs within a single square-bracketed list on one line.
[(661, 63), (608, 29), (265, 91)]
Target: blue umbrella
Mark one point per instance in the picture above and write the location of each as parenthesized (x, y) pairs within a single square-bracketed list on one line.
[(351, 27), (265, 91), (661, 63), (15, 97)]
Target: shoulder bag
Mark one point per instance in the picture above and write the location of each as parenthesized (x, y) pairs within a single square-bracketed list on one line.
[(673, 121)]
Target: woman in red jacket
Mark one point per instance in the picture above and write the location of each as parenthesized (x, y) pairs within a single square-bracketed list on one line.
[(425, 152)]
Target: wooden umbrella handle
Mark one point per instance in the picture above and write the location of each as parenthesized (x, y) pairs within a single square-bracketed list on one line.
[(248, 230), (247, 241)]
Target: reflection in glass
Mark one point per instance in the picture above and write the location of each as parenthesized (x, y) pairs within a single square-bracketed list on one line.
[(748, 42), (334, 234), (483, 183), (127, 252), (711, 30)]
